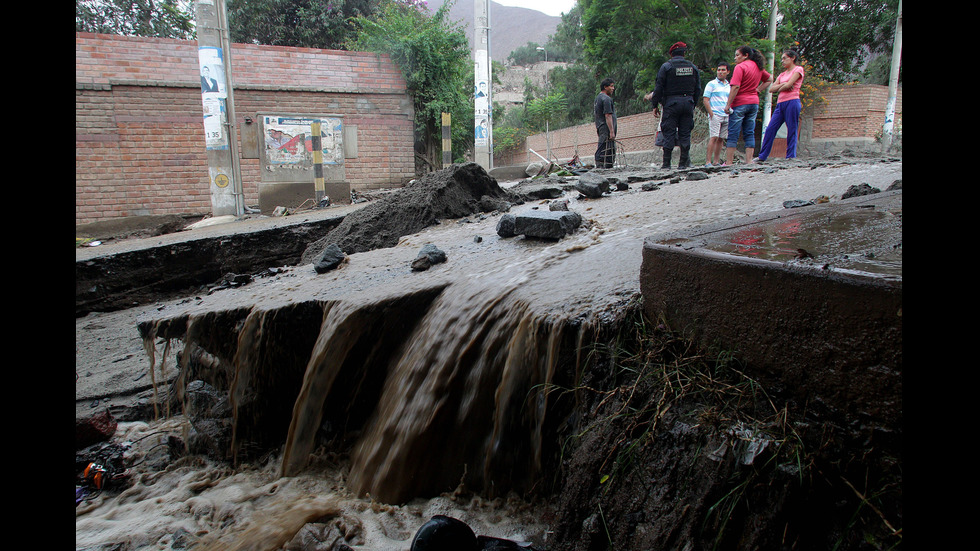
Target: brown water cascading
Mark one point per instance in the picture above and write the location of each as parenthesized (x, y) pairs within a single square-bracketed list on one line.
[(466, 396)]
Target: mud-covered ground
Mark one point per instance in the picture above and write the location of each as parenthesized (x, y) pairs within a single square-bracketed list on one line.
[(694, 456)]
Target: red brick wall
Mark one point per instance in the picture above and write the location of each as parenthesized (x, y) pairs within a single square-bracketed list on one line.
[(853, 111), (139, 132), (849, 111)]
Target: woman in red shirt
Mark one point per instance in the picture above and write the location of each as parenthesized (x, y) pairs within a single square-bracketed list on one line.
[(748, 80), (788, 106)]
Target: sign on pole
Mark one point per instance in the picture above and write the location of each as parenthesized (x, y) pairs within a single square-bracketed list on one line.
[(218, 108), (482, 89)]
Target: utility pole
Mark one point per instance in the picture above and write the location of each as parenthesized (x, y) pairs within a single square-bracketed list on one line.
[(547, 92), (482, 90), (218, 100), (771, 63), (886, 130)]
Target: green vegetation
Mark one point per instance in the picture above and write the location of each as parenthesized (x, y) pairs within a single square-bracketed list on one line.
[(161, 19), (298, 23), (627, 40), (434, 56)]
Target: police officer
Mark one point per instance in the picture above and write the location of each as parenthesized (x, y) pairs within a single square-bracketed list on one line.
[(678, 85)]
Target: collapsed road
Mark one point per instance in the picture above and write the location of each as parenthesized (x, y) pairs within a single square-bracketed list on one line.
[(524, 298)]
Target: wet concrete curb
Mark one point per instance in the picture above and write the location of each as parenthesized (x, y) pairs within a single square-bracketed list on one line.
[(825, 335)]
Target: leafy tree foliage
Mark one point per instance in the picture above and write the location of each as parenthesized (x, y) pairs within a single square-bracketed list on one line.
[(434, 56), (838, 36), (160, 18), (300, 23), (627, 40)]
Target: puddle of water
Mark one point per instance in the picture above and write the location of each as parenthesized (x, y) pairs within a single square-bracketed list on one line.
[(862, 239)]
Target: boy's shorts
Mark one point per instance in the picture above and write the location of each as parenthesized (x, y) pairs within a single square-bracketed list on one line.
[(718, 127)]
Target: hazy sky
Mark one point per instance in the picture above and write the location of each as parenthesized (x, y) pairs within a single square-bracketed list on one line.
[(550, 7)]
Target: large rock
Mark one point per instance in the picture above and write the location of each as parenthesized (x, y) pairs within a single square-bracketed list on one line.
[(93, 429), (331, 258), (429, 256), (506, 225), (592, 185), (547, 224)]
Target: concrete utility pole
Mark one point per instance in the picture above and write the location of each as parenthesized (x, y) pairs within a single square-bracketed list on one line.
[(886, 130), (483, 88), (217, 97), (771, 63)]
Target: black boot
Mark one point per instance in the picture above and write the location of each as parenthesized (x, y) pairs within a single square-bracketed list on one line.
[(667, 153), (685, 161)]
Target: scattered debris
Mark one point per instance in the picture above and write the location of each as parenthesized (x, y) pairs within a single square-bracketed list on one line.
[(558, 205), (93, 429), (230, 281), (331, 258), (592, 185), (429, 256), (859, 190), (450, 193), (547, 225), (506, 226)]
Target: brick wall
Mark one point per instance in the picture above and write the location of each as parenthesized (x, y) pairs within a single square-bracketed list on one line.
[(139, 133), (850, 111), (853, 111)]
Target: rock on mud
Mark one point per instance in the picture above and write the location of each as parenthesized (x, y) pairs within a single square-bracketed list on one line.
[(428, 257), (331, 258), (454, 192), (592, 185)]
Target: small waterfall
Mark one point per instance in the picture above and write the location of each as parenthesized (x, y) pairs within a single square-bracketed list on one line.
[(429, 388)]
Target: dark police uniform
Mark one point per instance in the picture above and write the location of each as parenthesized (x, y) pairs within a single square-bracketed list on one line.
[(678, 86)]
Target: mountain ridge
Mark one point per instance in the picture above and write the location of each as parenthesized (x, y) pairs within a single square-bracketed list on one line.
[(510, 27)]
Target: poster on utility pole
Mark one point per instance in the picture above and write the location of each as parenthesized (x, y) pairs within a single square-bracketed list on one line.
[(481, 99), (214, 92)]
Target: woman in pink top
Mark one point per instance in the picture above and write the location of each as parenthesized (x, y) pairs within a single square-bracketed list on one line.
[(748, 80), (788, 106)]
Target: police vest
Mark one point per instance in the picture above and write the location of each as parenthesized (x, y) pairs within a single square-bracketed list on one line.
[(682, 78)]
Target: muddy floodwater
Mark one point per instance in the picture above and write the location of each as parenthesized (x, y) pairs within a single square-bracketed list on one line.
[(508, 304)]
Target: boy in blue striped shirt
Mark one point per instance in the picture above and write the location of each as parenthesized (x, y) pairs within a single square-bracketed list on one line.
[(715, 99)]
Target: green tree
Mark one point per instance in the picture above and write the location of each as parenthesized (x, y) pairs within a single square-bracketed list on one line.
[(527, 54), (300, 23), (838, 36), (160, 18), (434, 56)]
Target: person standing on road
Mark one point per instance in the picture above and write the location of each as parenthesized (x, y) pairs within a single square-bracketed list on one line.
[(605, 124), (788, 106), (749, 79), (678, 83), (715, 100)]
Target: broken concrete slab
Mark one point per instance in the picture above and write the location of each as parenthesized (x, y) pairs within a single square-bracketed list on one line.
[(592, 185), (547, 224)]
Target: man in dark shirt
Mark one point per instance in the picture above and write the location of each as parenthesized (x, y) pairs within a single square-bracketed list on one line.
[(678, 84), (605, 124)]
